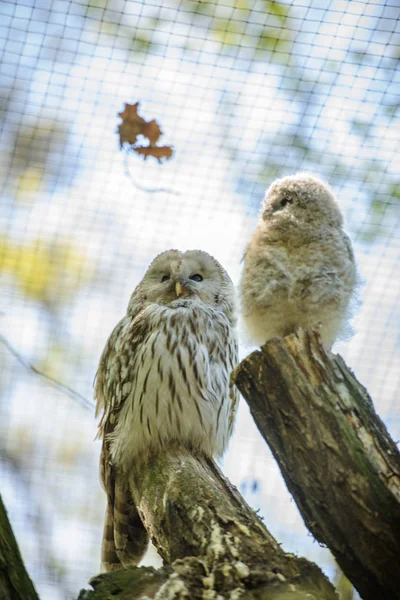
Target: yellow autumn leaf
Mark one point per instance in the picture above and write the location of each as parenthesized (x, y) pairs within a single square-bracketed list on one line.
[(28, 184), (45, 271), (228, 32), (8, 256), (34, 270)]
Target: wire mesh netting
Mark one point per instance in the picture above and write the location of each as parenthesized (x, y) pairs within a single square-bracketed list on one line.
[(245, 91)]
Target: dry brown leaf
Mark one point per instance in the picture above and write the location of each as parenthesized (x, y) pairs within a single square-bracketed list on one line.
[(159, 152), (130, 112), (152, 131), (134, 125)]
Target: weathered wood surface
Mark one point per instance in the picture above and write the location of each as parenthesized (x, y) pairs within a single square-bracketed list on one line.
[(191, 510), (335, 454), (14, 580), (135, 583), (215, 546)]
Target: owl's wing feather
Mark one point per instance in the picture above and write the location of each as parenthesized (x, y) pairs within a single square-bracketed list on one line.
[(124, 537), (106, 395), (223, 352), (233, 391)]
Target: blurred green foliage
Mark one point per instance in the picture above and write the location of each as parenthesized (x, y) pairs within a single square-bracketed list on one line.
[(264, 33), (267, 31), (230, 23)]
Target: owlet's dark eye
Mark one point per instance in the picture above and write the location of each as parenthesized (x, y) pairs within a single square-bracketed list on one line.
[(286, 201), (196, 277), (165, 278)]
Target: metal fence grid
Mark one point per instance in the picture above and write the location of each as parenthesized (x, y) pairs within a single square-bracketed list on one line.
[(245, 91)]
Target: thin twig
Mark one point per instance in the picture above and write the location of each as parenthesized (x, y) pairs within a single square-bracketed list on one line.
[(54, 382), (142, 188)]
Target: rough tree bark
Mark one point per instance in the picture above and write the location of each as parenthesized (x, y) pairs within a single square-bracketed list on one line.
[(335, 454), (215, 546), (14, 580)]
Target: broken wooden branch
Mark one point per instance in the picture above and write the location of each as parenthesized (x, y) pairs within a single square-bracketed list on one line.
[(334, 452), (215, 546)]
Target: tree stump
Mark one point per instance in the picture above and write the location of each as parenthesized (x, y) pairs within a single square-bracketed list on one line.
[(335, 454)]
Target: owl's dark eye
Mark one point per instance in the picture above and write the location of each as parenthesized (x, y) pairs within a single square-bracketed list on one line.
[(196, 277), (286, 201), (165, 278)]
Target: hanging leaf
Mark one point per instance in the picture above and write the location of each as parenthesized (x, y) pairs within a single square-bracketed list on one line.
[(159, 152), (133, 125)]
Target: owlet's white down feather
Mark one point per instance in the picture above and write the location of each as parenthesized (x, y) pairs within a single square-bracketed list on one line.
[(299, 266), (163, 380)]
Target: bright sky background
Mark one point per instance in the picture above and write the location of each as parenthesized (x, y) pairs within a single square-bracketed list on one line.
[(118, 229)]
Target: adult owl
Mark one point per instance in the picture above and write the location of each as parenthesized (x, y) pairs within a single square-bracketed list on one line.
[(163, 379), (299, 267)]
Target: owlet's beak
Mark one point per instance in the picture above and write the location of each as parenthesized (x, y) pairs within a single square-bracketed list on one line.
[(178, 289)]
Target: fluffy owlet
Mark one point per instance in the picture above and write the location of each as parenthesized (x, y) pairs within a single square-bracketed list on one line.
[(163, 379), (299, 266)]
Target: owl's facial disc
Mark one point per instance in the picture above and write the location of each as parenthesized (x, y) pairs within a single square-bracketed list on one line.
[(177, 283), (193, 275), (279, 203)]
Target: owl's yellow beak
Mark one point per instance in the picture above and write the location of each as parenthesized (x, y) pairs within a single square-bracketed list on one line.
[(178, 289)]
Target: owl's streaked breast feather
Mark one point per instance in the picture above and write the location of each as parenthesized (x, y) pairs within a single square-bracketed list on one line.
[(170, 382)]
